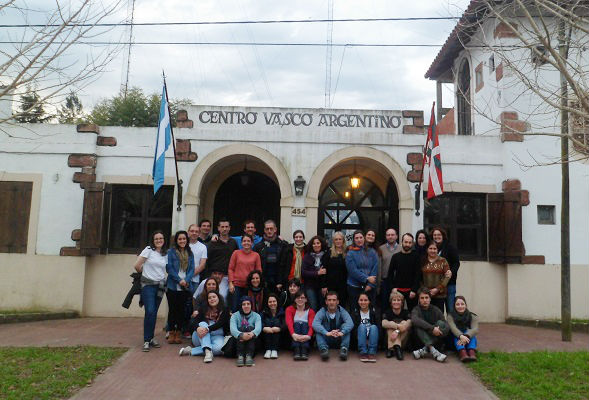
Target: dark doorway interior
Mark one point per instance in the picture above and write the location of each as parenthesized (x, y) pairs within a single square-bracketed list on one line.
[(254, 196)]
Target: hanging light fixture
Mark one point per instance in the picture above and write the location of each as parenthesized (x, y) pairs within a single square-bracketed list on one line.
[(355, 179), (244, 176)]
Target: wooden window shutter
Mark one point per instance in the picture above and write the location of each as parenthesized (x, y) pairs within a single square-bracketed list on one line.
[(95, 218), (505, 227), (15, 210)]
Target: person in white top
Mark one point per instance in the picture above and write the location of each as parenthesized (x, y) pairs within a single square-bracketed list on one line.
[(151, 264), (200, 253)]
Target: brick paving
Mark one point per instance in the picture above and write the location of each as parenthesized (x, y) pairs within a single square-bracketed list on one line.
[(162, 374)]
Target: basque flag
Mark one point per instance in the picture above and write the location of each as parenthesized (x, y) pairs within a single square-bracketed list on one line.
[(435, 186), (162, 142)]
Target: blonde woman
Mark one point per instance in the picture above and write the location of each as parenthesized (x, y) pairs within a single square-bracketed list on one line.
[(337, 274)]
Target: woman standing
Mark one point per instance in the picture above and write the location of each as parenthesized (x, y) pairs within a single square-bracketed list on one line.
[(255, 290), (367, 327), (421, 239), (436, 274), (242, 262), (179, 286), (464, 326), (450, 253), (337, 274), (362, 264), (293, 257), (151, 264), (315, 271), (273, 325), (213, 323), (299, 320)]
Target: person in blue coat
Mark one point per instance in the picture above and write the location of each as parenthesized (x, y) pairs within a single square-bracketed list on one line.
[(362, 265), (180, 270)]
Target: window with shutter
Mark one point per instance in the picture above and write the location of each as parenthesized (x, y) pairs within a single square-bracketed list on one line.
[(94, 218), (134, 213), (463, 215), (505, 227), (15, 210)]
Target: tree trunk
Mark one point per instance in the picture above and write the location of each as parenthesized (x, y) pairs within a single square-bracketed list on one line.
[(565, 247)]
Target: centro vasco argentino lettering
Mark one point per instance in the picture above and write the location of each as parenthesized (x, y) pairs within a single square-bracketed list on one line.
[(299, 119)]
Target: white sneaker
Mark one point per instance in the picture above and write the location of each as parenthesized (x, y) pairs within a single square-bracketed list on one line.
[(208, 356), (185, 351), (274, 354), (145, 346), (268, 354), (420, 353), (437, 355)]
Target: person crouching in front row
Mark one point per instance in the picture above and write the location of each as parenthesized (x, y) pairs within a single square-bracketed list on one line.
[(397, 324), (430, 326), (245, 326), (332, 326)]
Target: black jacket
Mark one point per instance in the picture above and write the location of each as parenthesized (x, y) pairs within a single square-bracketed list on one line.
[(279, 247), (309, 272), (450, 253), (135, 289)]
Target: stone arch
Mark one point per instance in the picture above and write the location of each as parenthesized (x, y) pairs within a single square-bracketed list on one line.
[(267, 163), (372, 159)]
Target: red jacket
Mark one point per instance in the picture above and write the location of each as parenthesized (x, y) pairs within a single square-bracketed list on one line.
[(289, 319)]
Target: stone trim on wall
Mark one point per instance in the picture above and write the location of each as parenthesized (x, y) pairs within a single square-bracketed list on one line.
[(502, 30), (479, 83), (416, 161), (417, 127), (182, 120), (184, 151), (499, 72), (512, 127)]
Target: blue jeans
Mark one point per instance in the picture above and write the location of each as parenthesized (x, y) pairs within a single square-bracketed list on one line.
[(367, 339), (212, 340), (471, 345), (235, 303), (325, 342), (302, 328), (450, 296), (151, 303), (315, 298)]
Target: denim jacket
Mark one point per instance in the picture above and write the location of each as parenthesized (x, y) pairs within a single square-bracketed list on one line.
[(173, 268)]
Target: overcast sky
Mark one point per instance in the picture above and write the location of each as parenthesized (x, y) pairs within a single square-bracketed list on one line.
[(369, 78)]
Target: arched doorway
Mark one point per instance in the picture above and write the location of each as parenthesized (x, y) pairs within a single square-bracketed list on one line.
[(344, 208), (249, 195)]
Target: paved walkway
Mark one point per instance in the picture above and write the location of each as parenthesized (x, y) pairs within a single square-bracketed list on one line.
[(161, 374)]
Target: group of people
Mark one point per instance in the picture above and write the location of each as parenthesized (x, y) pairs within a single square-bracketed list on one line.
[(234, 296)]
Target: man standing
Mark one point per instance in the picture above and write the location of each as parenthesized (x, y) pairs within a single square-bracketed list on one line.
[(249, 228), (271, 250), (405, 271), (200, 252), (205, 231), (219, 253), (387, 250), (332, 325), (430, 326)]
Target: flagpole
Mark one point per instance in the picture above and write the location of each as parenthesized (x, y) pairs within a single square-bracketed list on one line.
[(418, 186), (178, 180)]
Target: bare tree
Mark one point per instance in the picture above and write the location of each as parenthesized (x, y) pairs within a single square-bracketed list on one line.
[(535, 56), (44, 56), (544, 48)]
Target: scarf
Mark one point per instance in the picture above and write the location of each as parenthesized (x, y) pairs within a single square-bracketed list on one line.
[(317, 257), (183, 257), (298, 255), (463, 320), (257, 294)]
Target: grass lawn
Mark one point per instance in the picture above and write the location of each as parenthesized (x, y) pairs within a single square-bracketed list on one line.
[(51, 372), (535, 375)]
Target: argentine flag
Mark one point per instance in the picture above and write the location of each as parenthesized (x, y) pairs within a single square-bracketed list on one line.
[(162, 142)]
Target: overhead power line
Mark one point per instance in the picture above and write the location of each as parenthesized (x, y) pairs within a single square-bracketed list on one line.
[(278, 21), (231, 44)]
